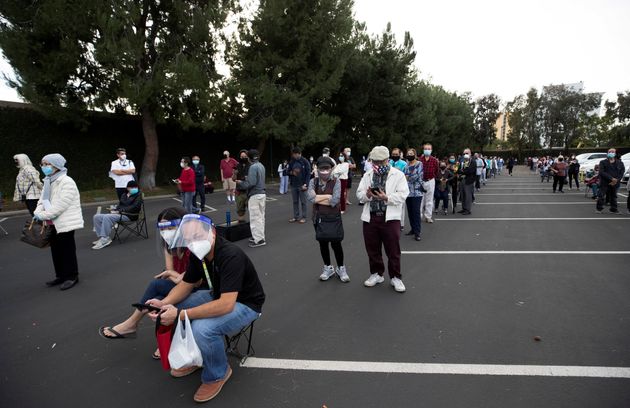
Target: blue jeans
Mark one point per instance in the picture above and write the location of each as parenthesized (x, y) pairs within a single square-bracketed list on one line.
[(441, 196), (209, 333), (284, 184), (413, 210), (103, 223), (157, 289), (187, 201)]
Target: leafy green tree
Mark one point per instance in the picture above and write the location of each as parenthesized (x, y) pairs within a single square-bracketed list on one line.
[(618, 116), (525, 121), (486, 115), (151, 58), (287, 66)]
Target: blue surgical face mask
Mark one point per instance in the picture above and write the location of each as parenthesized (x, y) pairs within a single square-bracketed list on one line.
[(451, 161), (133, 191), (427, 152), (611, 155), (47, 170), (195, 162)]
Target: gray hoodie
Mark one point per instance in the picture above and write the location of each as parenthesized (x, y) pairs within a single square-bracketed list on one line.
[(254, 183)]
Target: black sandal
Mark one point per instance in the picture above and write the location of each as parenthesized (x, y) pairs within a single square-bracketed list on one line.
[(116, 335)]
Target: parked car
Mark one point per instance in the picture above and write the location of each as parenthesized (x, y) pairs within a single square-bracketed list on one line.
[(584, 157), (626, 162)]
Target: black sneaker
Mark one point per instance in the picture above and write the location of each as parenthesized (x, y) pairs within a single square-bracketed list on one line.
[(69, 283), (257, 244)]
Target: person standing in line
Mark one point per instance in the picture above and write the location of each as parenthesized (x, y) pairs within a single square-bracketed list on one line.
[(510, 166), (559, 170), (444, 178), (28, 186), (283, 175), (479, 164), (227, 167), (200, 190), (341, 172), (413, 174), (453, 166), (324, 191), (395, 160), (240, 174), (186, 182), (122, 171), (574, 171), (430, 167), (60, 206), (383, 189), (468, 171), (299, 175), (254, 184), (353, 165), (610, 174)]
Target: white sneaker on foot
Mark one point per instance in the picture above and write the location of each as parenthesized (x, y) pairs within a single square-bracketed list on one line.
[(373, 280), (327, 272), (398, 285), (430, 220), (343, 274), (102, 243)]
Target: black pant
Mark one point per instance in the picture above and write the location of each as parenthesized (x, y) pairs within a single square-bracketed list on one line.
[(558, 181), (510, 168), (477, 184), (454, 194), (325, 250), (574, 176), (64, 255), (606, 190), (31, 205), (120, 192), (201, 192)]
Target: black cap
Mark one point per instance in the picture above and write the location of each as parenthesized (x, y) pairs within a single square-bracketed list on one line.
[(132, 183), (253, 154), (324, 162)]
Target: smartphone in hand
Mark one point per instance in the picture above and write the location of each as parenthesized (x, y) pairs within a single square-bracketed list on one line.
[(143, 306)]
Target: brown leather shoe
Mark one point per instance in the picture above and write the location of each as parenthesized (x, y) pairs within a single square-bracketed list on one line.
[(183, 372), (208, 391)]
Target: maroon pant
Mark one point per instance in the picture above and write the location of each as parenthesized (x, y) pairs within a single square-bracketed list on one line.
[(377, 234), (344, 194)]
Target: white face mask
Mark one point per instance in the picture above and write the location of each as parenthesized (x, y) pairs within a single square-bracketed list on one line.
[(200, 248), (341, 159), (466, 156), (182, 164), (123, 157), (168, 235)]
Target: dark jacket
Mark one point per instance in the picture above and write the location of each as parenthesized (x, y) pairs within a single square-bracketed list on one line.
[(130, 205), (200, 174), (609, 171), (299, 172), (469, 173)]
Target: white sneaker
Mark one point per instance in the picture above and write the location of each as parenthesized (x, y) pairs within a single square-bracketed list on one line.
[(103, 242), (373, 280), (398, 285), (430, 220), (327, 272), (343, 274), (97, 241)]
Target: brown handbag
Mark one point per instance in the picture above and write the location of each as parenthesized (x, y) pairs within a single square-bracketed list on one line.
[(36, 233)]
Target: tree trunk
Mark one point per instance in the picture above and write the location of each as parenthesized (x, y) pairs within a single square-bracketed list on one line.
[(151, 150), (262, 143)]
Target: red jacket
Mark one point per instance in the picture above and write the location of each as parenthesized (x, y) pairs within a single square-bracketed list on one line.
[(187, 180)]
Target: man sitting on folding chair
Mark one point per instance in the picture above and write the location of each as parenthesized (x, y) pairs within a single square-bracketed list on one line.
[(127, 210), (233, 302)]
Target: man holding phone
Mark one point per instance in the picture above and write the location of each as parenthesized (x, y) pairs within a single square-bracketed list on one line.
[(234, 300), (384, 189)]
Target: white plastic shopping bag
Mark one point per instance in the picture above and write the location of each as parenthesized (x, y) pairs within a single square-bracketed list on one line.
[(184, 351)]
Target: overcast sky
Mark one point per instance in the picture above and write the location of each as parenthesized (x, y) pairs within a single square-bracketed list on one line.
[(503, 46)]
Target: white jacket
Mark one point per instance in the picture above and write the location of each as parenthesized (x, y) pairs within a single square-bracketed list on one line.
[(396, 189), (65, 201)]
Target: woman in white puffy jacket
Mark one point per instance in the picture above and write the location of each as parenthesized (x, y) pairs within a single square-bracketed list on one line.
[(60, 206)]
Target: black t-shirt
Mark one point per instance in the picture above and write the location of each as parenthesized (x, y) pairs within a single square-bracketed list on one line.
[(230, 271)]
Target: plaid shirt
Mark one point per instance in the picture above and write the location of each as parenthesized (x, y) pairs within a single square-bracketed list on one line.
[(429, 167), (28, 183)]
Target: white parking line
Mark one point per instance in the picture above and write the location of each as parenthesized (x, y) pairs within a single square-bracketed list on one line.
[(432, 368), (210, 209), (514, 252), (481, 193), (535, 219), (544, 202)]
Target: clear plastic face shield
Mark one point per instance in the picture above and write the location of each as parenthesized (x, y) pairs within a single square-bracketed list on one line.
[(194, 232), (166, 234)]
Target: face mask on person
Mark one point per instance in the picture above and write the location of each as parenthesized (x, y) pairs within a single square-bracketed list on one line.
[(348, 153), (560, 159), (611, 155), (123, 157), (427, 152), (466, 156), (47, 170), (324, 174), (133, 191), (395, 158), (200, 248), (167, 236), (225, 156), (452, 161), (243, 159), (443, 166), (341, 159), (195, 162), (182, 164), (411, 157), (381, 169)]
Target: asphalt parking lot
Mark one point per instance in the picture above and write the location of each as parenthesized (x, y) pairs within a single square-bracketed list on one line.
[(526, 264)]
